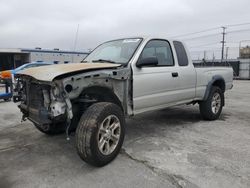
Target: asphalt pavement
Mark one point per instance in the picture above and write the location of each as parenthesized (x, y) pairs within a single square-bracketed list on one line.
[(173, 147)]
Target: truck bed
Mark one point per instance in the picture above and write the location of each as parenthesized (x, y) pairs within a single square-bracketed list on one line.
[(205, 74)]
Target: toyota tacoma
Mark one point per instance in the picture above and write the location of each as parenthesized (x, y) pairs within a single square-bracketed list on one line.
[(118, 79)]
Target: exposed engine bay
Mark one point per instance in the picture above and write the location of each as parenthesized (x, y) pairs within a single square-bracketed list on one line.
[(44, 103), (64, 99)]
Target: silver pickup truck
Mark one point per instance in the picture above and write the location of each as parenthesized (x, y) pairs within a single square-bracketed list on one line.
[(120, 78)]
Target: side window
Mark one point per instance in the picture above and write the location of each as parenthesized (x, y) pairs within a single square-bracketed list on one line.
[(161, 50), (181, 53)]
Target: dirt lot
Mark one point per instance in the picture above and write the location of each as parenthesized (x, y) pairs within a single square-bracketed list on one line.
[(168, 148)]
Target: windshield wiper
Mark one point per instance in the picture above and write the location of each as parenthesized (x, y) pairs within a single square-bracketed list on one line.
[(104, 60)]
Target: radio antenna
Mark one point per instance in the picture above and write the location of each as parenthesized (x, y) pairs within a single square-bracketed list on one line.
[(75, 42)]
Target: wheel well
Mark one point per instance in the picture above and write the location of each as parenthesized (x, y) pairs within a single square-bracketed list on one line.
[(216, 81), (101, 94), (220, 83)]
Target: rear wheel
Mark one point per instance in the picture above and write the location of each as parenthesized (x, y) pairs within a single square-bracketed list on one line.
[(100, 133), (212, 107)]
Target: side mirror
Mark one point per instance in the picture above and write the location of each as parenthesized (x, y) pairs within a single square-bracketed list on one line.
[(149, 61)]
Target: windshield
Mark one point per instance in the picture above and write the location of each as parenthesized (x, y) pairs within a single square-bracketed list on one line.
[(117, 51)]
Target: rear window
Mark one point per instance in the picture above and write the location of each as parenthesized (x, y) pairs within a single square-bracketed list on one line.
[(181, 53)]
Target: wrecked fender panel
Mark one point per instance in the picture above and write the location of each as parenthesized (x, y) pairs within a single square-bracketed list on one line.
[(49, 73)]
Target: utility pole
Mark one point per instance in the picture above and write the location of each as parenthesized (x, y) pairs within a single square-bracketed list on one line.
[(227, 52), (204, 55), (223, 42), (74, 49)]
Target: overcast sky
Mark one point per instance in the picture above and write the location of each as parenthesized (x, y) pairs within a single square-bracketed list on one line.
[(53, 23)]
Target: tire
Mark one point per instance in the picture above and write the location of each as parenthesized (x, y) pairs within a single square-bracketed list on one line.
[(100, 133), (51, 129), (211, 108)]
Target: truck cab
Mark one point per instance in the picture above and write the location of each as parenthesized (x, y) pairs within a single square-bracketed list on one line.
[(170, 81)]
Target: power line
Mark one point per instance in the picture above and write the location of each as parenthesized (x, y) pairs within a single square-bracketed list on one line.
[(234, 25), (209, 44), (238, 31), (195, 36), (232, 42), (198, 32), (210, 29), (201, 51), (211, 49), (203, 36)]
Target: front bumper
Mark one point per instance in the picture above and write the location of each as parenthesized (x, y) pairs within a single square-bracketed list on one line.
[(39, 104), (40, 116)]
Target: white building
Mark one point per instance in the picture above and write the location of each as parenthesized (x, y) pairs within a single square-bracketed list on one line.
[(12, 58)]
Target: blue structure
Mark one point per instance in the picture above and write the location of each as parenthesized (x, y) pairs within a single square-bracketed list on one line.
[(7, 95), (30, 65)]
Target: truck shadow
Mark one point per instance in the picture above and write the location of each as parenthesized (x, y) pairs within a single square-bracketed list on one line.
[(165, 122), (23, 144), (170, 117)]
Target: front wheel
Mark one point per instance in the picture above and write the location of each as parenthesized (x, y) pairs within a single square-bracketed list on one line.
[(211, 108), (100, 133)]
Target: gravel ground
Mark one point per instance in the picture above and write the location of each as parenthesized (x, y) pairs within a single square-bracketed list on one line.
[(167, 148)]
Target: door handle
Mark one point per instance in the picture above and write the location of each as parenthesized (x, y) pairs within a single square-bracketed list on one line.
[(174, 74)]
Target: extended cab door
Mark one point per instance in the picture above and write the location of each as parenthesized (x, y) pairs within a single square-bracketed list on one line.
[(155, 86), (186, 74), (162, 85)]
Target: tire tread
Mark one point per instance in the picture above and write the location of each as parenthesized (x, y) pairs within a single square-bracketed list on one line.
[(86, 129), (205, 106)]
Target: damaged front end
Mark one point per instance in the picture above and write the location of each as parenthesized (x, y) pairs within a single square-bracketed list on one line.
[(43, 103)]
